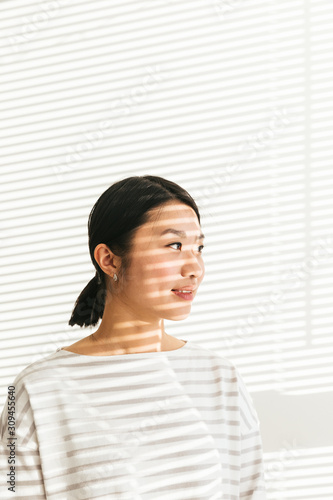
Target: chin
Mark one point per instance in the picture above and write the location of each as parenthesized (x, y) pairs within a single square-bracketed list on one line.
[(177, 317)]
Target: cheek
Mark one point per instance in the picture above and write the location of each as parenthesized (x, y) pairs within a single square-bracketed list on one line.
[(161, 268), (161, 279), (167, 274), (153, 273)]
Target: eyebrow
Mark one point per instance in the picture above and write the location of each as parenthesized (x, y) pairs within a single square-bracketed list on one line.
[(181, 233)]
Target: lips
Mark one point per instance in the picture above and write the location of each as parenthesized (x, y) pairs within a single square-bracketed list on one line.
[(186, 296), (189, 288)]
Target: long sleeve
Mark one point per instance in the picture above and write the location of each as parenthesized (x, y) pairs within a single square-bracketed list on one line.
[(28, 478), (252, 482), (19, 449)]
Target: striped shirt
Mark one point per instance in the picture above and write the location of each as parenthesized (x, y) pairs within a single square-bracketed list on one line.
[(163, 425)]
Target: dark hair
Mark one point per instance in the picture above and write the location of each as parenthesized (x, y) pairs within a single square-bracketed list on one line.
[(113, 220)]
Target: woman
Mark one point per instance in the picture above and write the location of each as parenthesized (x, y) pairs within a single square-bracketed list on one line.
[(130, 412)]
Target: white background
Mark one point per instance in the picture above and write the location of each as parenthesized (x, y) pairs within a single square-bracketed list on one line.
[(233, 100)]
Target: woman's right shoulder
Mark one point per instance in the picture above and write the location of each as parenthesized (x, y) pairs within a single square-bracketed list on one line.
[(38, 369)]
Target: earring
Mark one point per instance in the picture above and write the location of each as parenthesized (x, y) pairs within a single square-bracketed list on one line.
[(115, 277)]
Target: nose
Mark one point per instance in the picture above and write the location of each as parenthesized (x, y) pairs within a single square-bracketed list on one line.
[(192, 267)]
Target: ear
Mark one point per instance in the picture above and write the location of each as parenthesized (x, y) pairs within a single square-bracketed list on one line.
[(107, 260)]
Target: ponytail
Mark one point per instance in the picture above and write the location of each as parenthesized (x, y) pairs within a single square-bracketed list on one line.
[(89, 305)]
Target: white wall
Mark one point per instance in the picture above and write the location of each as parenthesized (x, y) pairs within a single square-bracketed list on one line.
[(232, 99)]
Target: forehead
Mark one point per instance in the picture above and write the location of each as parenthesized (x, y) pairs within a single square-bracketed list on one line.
[(173, 215)]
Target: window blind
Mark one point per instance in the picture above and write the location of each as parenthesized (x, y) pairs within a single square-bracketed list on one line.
[(231, 99)]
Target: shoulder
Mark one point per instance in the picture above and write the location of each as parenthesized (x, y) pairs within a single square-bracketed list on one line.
[(211, 357), (37, 370), (231, 383)]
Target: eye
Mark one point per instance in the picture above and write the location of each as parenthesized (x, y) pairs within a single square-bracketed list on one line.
[(179, 243), (176, 243)]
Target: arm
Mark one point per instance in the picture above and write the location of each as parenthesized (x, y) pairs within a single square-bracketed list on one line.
[(28, 478), (20, 464), (252, 482)]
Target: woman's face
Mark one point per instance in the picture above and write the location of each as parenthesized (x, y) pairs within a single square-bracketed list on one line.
[(162, 261)]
